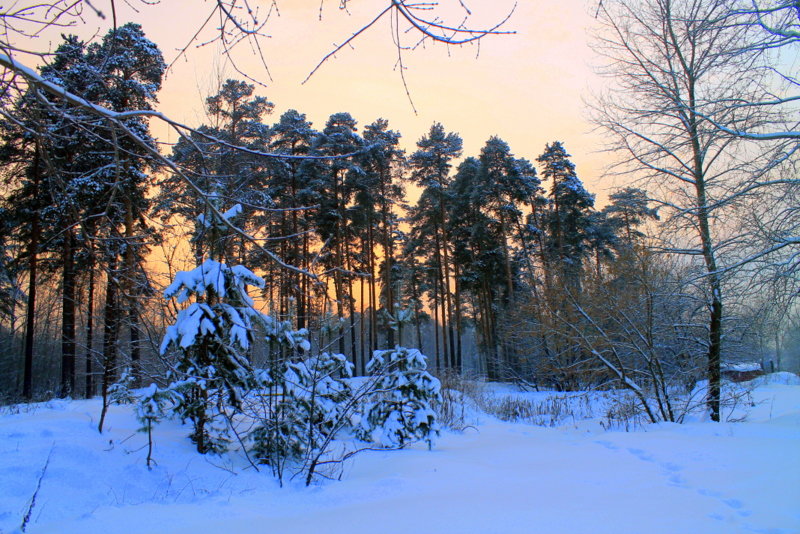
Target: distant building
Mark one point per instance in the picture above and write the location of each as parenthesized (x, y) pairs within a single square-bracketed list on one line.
[(741, 372)]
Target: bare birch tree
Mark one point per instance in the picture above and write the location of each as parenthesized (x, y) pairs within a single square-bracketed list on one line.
[(672, 65)]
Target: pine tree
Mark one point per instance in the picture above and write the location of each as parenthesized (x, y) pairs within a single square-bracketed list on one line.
[(83, 174), (629, 208), (339, 138), (627, 211), (613, 232), (529, 229), (129, 70), (295, 185), (10, 294), (411, 275), (214, 159), (22, 158), (568, 218), (477, 257), (567, 224), (74, 153), (430, 168), (502, 188), (378, 197)]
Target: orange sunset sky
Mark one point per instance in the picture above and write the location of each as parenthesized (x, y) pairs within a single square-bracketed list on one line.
[(528, 88)]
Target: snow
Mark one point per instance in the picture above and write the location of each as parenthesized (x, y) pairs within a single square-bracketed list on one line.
[(211, 276), (494, 477), (742, 367), (227, 216)]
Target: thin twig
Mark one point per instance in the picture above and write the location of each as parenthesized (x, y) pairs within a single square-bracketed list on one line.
[(32, 502)]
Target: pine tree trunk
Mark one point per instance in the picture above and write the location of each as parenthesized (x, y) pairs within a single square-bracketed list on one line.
[(507, 261), (352, 311), (447, 313), (489, 332), (131, 289), (303, 298), (339, 247), (90, 326), (484, 334), (362, 334), (136, 351), (373, 304), (30, 312), (439, 363), (442, 297), (388, 252), (337, 282), (481, 322), (459, 326), (33, 263), (11, 349), (284, 280), (68, 315), (416, 298), (110, 337), (295, 246)]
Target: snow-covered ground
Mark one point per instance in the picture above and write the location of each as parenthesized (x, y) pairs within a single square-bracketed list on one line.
[(494, 477)]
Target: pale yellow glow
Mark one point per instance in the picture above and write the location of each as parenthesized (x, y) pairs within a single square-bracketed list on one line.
[(526, 88)]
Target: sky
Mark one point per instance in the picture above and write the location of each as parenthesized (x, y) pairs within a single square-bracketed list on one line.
[(528, 87)]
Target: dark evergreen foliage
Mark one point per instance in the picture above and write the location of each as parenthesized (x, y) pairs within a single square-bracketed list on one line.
[(568, 219)]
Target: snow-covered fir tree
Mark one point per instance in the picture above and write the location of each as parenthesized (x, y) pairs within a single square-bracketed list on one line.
[(306, 404), (402, 411), (212, 335)]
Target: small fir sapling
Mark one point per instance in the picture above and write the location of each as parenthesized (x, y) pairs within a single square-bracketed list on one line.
[(151, 404), (213, 336), (120, 391), (154, 405), (401, 411), (306, 402)]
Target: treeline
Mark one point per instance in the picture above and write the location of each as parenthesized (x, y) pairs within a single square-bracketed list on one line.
[(503, 266), (75, 211)]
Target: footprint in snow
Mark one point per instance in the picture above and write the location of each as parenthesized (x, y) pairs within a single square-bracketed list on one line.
[(669, 466), (733, 503), (642, 455), (671, 469), (737, 505), (608, 445), (677, 480)]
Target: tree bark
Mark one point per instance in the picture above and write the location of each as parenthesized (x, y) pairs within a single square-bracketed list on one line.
[(110, 337), (90, 326), (68, 315), (714, 282), (33, 257), (459, 326)]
